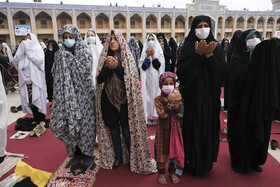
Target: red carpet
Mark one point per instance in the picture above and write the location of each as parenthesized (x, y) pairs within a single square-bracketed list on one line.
[(47, 153), (275, 132)]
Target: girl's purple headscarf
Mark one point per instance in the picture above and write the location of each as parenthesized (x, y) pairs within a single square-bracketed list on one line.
[(164, 76)]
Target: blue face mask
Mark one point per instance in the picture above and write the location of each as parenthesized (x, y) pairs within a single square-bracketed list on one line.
[(91, 40), (69, 43), (50, 49)]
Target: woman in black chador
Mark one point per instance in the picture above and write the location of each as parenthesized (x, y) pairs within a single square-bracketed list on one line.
[(200, 70), (253, 100)]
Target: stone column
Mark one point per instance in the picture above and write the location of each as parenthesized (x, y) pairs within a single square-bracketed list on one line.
[(158, 22), (274, 25), (173, 25), (245, 23), (127, 26), (144, 27), (223, 28), (33, 24), (265, 27), (11, 27), (186, 26), (234, 22), (74, 18), (256, 22), (55, 34), (111, 20), (93, 20)]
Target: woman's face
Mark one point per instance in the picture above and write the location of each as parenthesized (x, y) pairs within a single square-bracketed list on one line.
[(168, 82), (68, 36), (151, 38), (202, 24), (50, 46), (114, 43), (90, 33), (28, 37)]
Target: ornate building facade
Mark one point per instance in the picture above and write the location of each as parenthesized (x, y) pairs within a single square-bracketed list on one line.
[(47, 20)]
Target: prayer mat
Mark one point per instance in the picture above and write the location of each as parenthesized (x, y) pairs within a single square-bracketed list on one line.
[(80, 175), (9, 162)]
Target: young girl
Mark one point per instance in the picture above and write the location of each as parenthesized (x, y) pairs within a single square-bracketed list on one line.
[(168, 142)]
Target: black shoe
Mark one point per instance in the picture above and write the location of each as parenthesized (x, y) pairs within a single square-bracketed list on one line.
[(274, 144), (19, 108), (117, 163), (87, 160), (14, 109), (75, 161), (257, 168), (2, 158)]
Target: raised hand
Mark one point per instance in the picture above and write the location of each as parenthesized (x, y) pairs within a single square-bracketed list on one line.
[(210, 48), (200, 47)]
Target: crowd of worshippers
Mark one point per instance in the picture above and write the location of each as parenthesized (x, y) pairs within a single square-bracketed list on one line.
[(112, 89)]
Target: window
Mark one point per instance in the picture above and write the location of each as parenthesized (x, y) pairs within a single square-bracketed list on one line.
[(117, 23), (1, 24), (82, 24), (132, 23), (22, 22), (44, 23), (148, 24), (63, 22)]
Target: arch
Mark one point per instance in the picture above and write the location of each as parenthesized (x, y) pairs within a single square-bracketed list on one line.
[(119, 21), (251, 22), (63, 19), (180, 22), (260, 23), (166, 22), (270, 22), (42, 11), (3, 21), (43, 20), (20, 15), (102, 21), (84, 21), (229, 22), (136, 21), (151, 22), (220, 22), (240, 22), (190, 21), (20, 18)]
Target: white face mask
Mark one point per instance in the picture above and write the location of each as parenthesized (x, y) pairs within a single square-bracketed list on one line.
[(202, 33), (167, 89), (59, 45), (151, 43), (251, 43)]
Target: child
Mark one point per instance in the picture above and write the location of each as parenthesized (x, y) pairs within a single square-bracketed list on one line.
[(168, 142)]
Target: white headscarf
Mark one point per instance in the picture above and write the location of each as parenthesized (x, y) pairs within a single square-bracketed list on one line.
[(8, 51), (150, 79), (30, 63), (95, 50)]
